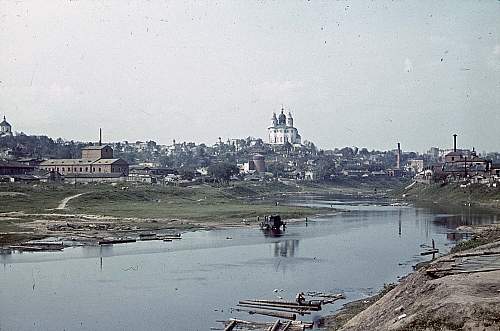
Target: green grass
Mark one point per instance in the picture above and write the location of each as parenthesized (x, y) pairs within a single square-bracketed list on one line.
[(197, 203), (453, 194), (34, 199)]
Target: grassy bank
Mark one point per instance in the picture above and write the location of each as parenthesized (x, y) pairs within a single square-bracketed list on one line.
[(453, 194), (30, 211), (198, 203)]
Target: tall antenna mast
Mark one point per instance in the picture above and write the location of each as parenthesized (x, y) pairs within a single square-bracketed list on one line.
[(100, 137)]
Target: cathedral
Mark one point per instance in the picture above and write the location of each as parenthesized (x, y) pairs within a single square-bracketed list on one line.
[(283, 131)]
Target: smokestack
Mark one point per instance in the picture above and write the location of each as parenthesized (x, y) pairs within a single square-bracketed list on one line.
[(100, 137), (398, 157), (454, 142)]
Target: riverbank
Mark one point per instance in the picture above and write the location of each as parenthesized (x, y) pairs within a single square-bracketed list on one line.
[(459, 291), (476, 195), (89, 213)]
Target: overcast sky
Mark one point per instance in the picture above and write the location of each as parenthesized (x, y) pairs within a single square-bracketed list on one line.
[(360, 73)]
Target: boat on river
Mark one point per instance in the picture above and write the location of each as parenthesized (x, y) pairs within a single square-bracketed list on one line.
[(273, 223)]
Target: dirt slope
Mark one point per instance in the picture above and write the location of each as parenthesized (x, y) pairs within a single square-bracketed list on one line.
[(441, 301)]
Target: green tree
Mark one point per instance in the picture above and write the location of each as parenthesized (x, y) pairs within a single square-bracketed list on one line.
[(222, 171)]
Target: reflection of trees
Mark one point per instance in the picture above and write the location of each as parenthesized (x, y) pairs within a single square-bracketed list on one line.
[(285, 248), (465, 218)]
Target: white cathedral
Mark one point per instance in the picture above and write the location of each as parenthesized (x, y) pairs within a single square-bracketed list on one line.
[(283, 131)]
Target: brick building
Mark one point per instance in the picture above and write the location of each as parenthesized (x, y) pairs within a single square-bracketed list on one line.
[(96, 161)]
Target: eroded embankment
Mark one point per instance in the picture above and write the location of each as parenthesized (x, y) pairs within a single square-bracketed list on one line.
[(460, 291)]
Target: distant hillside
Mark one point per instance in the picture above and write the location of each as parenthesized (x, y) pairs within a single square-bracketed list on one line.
[(40, 147)]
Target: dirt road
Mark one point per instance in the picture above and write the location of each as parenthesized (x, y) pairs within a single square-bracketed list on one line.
[(65, 201)]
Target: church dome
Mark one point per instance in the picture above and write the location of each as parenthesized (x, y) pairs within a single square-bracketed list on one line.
[(282, 118), (4, 122)]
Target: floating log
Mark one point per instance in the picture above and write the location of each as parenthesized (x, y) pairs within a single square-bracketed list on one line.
[(431, 251), (288, 316), (287, 326), (170, 237), (116, 241), (316, 304), (145, 235), (325, 295), (27, 248), (290, 310), (45, 243), (275, 326), (240, 321), (330, 301), (282, 305), (303, 324), (150, 238), (230, 326), (287, 302)]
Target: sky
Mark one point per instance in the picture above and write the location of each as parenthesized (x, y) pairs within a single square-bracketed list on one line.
[(353, 73)]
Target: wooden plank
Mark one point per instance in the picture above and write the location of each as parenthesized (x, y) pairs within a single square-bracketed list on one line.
[(275, 326), (476, 271), (297, 311), (287, 302), (476, 254), (288, 316), (432, 251), (230, 326), (280, 304), (287, 326), (432, 271)]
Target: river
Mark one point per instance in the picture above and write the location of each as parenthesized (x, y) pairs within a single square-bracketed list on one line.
[(192, 283)]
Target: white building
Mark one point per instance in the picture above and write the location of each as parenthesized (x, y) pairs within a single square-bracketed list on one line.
[(283, 131), (5, 128)]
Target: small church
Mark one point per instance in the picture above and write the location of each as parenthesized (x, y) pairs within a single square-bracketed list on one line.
[(5, 128), (282, 130)]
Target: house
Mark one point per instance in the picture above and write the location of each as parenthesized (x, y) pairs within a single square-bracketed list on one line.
[(14, 168), (151, 175)]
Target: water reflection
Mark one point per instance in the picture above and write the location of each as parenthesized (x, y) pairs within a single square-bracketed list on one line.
[(352, 251), (272, 233), (286, 248), (399, 223)]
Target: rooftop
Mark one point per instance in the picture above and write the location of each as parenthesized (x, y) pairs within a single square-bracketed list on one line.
[(95, 147)]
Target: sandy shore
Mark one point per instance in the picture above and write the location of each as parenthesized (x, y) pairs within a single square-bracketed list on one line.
[(90, 229)]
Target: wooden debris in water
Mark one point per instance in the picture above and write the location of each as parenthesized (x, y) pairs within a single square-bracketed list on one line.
[(242, 325), (111, 241), (288, 310), (230, 326), (430, 251), (282, 304), (279, 314), (275, 326)]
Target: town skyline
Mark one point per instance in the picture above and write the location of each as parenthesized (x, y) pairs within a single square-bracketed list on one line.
[(98, 137), (353, 74)]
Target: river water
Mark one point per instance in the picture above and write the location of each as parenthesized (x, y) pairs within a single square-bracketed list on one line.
[(191, 283)]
